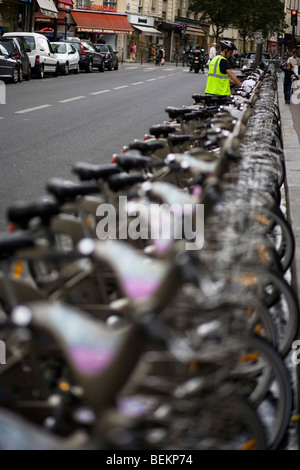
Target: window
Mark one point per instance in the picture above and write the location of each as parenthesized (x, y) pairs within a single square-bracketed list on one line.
[(9, 46), (109, 3), (179, 7), (30, 41), (43, 43), (3, 51), (60, 48), (164, 9), (140, 7), (153, 5)]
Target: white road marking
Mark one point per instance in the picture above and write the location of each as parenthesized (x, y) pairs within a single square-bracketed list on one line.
[(72, 99), (99, 92), (119, 87), (162, 76), (28, 110), (150, 79), (137, 83)]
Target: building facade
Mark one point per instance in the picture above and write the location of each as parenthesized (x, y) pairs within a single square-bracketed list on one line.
[(150, 23)]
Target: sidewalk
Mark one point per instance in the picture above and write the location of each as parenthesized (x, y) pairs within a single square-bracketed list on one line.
[(289, 113), (290, 123)]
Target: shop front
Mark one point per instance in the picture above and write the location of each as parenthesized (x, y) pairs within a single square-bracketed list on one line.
[(173, 38), (45, 23), (113, 27), (146, 37)]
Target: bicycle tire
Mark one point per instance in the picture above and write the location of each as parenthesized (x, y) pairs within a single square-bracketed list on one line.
[(286, 317), (268, 220), (276, 430)]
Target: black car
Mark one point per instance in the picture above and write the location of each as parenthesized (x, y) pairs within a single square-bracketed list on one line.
[(9, 67), (89, 57), (110, 56), (18, 49)]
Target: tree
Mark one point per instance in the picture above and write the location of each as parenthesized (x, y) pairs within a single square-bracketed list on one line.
[(263, 16), (217, 12), (259, 16)]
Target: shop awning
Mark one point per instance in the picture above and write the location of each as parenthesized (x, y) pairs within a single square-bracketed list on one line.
[(147, 30), (40, 18), (48, 8), (195, 31), (95, 22), (65, 5)]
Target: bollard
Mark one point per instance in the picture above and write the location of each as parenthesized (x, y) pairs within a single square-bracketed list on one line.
[(2, 92), (2, 353)]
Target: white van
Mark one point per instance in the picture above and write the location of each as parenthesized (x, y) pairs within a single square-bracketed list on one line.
[(42, 58)]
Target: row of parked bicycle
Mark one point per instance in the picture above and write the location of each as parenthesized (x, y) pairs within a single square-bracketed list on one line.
[(145, 305), (26, 54)]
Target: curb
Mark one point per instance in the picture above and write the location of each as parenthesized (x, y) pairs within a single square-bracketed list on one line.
[(291, 149)]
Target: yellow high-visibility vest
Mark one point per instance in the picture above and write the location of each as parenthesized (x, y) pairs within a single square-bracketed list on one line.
[(217, 83)]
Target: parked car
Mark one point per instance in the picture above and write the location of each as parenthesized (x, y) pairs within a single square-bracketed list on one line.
[(236, 59), (42, 59), (89, 57), (110, 56), (18, 48), (67, 56), (9, 68), (249, 60)]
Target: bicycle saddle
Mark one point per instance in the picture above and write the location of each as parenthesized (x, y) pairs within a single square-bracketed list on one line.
[(123, 180), (161, 130), (176, 112), (208, 99), (68, 190), (179, 139), (131, 159), (11, 243), (89, 171), (22, 212), (145, 146)]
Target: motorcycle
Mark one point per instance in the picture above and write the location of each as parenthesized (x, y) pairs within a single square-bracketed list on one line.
[(197, 62)]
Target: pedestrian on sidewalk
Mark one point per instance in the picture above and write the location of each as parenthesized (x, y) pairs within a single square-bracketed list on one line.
[(101, 40), (212, 52), (289, 75), (286, 54), (295, 61), (160, 58), (132, 51)]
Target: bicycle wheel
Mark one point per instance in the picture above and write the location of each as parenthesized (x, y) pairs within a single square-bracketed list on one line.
[(285, 314), (227, 423), (261, 367), (278, 231)]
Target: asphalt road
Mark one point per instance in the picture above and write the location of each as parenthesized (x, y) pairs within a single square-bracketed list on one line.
[(48, 125)]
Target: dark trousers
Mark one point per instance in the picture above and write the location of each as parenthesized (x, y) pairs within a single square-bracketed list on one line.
[(287, 91)]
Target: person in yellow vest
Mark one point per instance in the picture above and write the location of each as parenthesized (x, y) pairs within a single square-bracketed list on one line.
[(220, 75)]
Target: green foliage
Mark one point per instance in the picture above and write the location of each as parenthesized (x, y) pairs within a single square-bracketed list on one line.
[(216, 12), (263, 16)]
